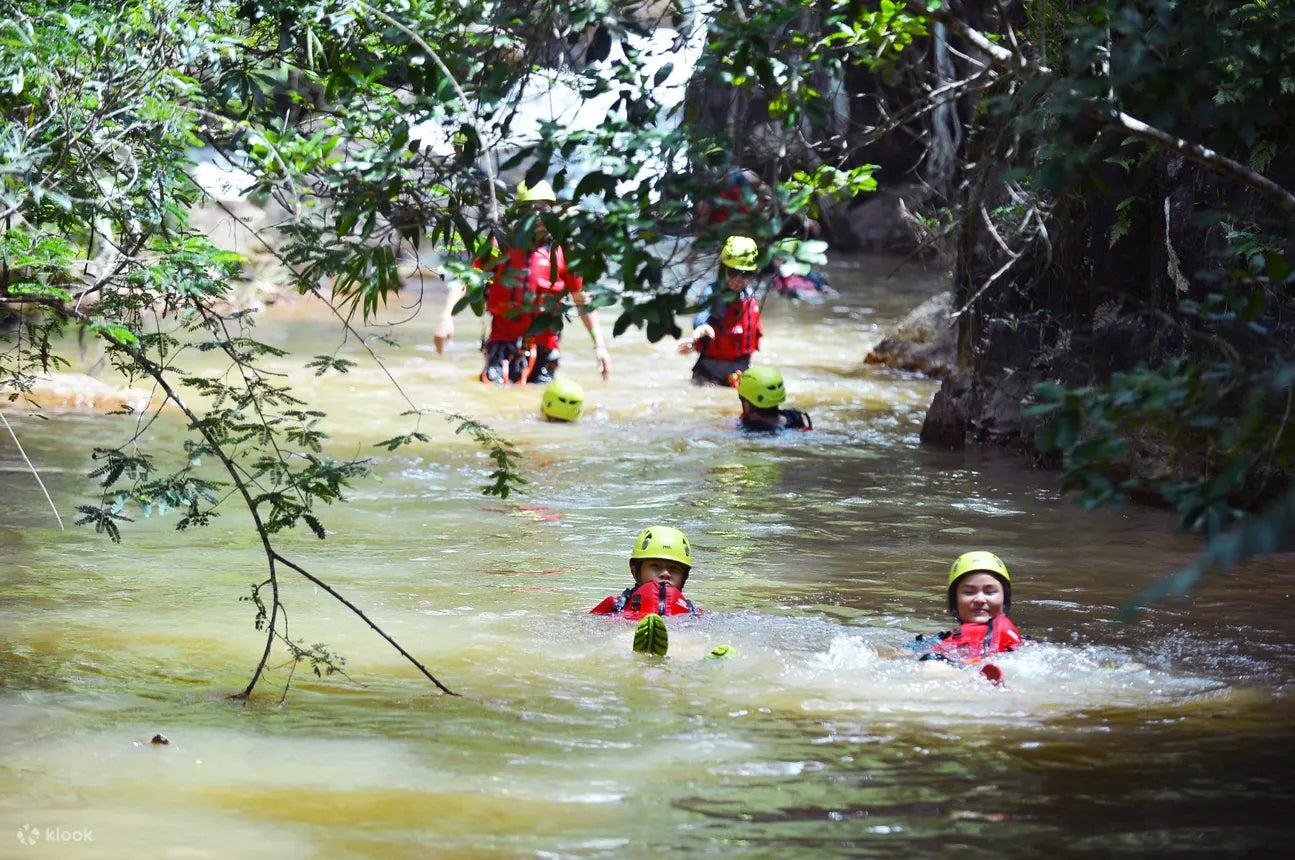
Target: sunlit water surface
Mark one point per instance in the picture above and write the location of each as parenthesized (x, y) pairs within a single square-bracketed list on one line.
[(819, 556)]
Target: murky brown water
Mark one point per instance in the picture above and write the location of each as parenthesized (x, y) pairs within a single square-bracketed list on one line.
[(819, 556)]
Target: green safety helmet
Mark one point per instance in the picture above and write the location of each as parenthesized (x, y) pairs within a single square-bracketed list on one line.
[(762, 387), (540, 192), (563, 401), (741, 253), (979, 561), (662, 542)]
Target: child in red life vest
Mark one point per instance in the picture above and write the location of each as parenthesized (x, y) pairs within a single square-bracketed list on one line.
[(980, 594), (660, 562), (727, 329)]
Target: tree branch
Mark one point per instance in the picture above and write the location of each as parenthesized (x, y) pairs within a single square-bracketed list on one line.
[(1022, 66), (272, 555), (35, 474)]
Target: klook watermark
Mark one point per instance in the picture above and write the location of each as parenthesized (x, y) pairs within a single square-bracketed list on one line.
[(30, 834)]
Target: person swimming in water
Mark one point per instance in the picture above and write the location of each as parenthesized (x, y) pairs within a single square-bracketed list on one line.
[(760, 390), (980, 595), (563, 400), (660, 562)]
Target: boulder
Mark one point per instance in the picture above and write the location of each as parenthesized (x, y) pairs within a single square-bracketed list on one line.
[(78, 391), (925, 341), (945, 425), (884, 224)]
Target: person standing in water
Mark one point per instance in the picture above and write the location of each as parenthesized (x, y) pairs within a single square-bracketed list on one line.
[(526, 282), (727, 328)]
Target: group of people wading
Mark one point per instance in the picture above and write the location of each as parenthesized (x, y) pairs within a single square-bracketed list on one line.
[(532, 279)]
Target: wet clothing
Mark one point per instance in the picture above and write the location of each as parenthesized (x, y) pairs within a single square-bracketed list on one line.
[(735, 317), (650, 598), (796, 420), (970, 643), (715, 372), (525, 285), (510, 361)]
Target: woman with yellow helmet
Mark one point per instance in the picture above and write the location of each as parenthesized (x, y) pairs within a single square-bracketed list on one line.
[(726, 331), (980, 594)]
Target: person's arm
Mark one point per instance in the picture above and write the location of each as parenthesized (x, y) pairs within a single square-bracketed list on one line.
[(701, 328), (445, 328), (700, 333), (590, 320)]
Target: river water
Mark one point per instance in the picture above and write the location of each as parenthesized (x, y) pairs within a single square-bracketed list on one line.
[(819, 556)]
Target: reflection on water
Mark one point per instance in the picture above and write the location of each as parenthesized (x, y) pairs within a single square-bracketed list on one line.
[(820, 555)]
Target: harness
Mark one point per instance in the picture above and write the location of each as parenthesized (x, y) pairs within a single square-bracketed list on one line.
[(515, 293), (737, 330), (970, 643), (508, 296), (797, 420), (650, 598)]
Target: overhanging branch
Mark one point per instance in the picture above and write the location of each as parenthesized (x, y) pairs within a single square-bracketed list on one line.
[(1021, 66)]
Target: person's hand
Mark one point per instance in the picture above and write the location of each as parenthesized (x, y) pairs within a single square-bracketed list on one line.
[(604, 360), (444, 334), (702, 331)]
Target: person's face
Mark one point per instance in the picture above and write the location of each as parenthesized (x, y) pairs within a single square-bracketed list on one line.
[(537, 211), (662, 570), (737, 278), (979, 597)]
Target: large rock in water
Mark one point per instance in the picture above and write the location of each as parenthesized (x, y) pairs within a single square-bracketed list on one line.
[(79, 391), (925, 341), (945, 425)]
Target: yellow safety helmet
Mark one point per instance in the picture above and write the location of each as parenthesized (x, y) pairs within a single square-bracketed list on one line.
[(979, 561), (741, 253), (540, 192), (762, 387), (563, 401), (662, 542)]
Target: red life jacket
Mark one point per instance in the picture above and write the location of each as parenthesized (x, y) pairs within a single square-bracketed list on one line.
[(525, 282), (721, 212), (971, 643), (737, 331), (650, 598)]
